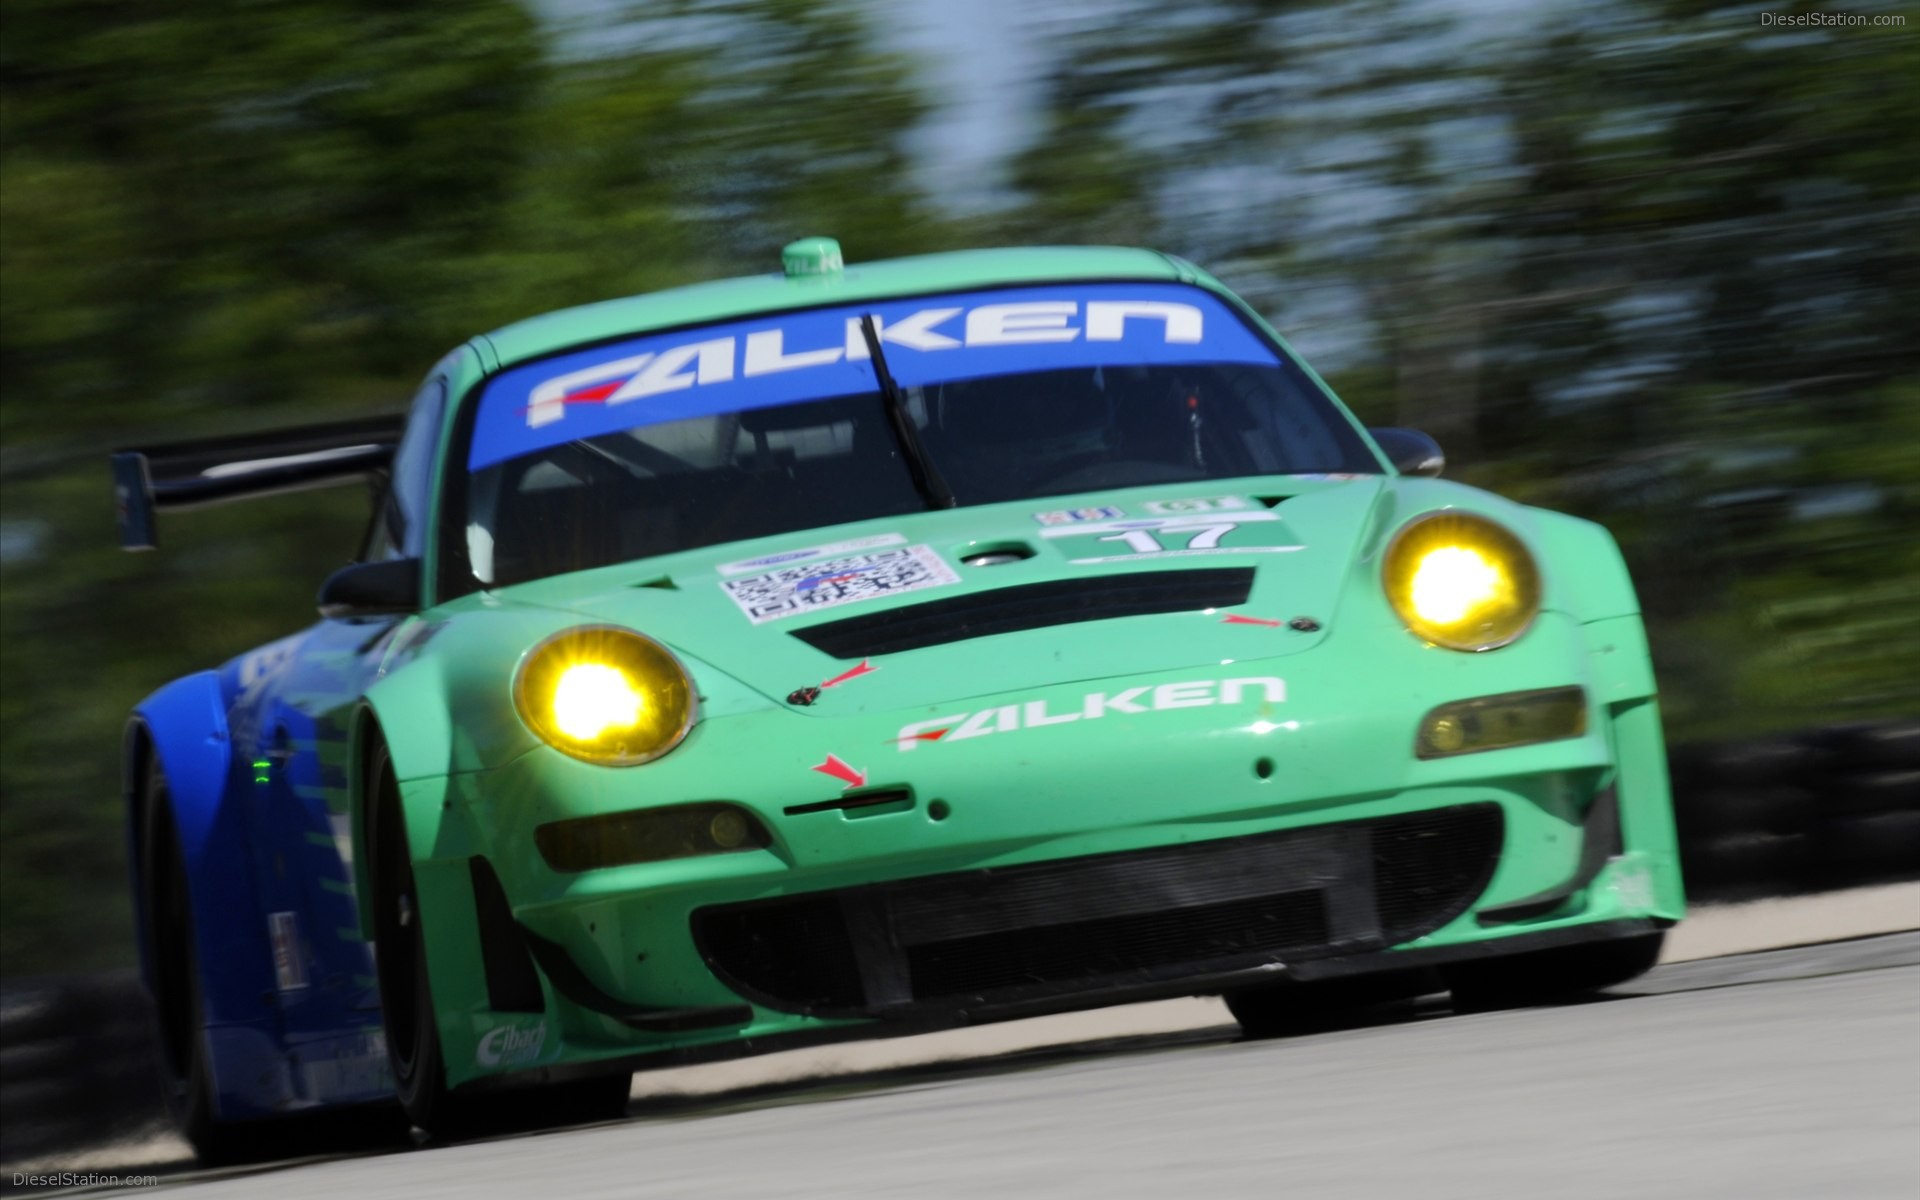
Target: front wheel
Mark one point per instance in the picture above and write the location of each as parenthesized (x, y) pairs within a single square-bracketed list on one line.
[(406, 1004), (1558, 973)]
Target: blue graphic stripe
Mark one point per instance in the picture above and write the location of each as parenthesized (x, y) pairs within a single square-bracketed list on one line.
[(794, 357)]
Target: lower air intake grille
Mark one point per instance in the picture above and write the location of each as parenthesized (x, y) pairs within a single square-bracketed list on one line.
[(1422, 862), (1030, 606), (1117, 945), (1015, 933)]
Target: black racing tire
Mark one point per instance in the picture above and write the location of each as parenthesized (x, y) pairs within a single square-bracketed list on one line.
[(1291, 1009), (1547, 976), (400, 965), (186, 1076), (414, 1050)]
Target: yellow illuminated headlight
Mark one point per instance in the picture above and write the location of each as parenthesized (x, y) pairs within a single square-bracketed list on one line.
[(605, 694), (1461, 581)]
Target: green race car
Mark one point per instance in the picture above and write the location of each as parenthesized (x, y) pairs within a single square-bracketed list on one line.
[(872, 649)]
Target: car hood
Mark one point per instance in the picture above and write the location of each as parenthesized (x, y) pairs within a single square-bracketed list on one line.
[(906, 612)]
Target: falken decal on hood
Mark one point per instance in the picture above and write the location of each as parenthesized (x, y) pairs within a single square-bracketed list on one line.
[(1010, 718), (793, 357)]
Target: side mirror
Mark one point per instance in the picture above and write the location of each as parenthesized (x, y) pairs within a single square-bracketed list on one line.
[(374, 589), (1410, 451)]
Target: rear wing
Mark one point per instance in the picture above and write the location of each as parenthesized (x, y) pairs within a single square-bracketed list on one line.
[(196, 474)]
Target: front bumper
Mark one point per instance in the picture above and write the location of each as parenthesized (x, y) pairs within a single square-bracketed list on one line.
[(1257, 825)]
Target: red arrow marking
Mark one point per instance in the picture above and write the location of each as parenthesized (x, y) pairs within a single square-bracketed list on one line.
[(932, 735), (840, 770), (863, 669), (593, 395), (1236, 619)]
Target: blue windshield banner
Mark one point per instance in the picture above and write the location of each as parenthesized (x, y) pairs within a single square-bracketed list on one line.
[(788, 358)]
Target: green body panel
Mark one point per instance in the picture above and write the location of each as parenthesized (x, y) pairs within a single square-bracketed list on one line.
[(1243, 728), (1340, 751)]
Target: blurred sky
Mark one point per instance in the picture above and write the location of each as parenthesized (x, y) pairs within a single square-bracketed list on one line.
[(984, 61), (981, 63)]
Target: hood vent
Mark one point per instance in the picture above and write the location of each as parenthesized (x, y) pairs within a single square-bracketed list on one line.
[(1030, 606)]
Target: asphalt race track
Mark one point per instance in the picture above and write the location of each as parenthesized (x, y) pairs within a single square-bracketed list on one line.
[(1790, 1073)]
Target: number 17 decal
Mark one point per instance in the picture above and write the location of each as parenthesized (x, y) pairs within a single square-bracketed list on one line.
[(1199, 537), (1256, 532)]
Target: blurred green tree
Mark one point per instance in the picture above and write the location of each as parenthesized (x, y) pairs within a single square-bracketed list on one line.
[(1712, 237), (1654, 265), (217, 217)]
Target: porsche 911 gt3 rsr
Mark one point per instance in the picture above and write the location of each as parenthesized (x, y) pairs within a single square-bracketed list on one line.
[(872, 649)]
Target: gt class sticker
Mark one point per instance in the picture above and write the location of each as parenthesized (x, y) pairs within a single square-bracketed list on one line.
[(809, 587), (1010, 718), (1071, 516), (1203, 504)]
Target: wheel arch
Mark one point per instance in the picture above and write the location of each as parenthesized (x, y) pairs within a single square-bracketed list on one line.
[(366, 735), (407, 713), (183, 727), (1586, 572)]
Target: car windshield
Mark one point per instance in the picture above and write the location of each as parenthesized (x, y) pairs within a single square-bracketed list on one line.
[(540, 503)]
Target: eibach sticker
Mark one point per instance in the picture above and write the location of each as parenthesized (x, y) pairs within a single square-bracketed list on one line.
[(1071, 516), (507, 1045), (1200, 504), (811, 587), (747, 566)]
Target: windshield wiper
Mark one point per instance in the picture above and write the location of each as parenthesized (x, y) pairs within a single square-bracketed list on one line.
[(925, 476)]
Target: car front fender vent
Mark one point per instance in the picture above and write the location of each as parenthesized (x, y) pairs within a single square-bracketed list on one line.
[(512, 985), (1029, 606)]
